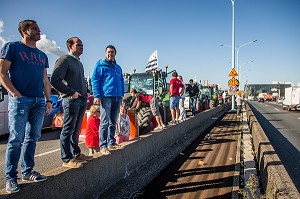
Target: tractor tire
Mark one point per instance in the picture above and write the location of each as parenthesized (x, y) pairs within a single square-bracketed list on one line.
[(144, 116)]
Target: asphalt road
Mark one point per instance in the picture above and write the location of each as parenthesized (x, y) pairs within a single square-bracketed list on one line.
[(283, 130), (47, 156)]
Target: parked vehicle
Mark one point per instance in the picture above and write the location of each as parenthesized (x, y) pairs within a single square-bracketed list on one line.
[(261, 99), (155, 83), (291, 98)]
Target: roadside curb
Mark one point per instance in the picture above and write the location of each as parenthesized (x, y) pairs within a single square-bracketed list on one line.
[(274, 177)]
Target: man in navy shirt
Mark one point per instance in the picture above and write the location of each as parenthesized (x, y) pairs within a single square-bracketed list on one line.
[(29, 99)]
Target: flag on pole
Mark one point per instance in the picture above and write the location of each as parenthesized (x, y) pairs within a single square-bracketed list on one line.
[(152, 62)]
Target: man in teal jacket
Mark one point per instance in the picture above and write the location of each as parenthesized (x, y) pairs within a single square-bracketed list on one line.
[(108, 90)]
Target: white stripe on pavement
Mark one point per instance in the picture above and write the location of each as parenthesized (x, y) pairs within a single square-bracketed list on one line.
[(51, 151)]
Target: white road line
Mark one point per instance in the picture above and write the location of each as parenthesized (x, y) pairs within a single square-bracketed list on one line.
[(47, 153), (39, 155), (276, 109)]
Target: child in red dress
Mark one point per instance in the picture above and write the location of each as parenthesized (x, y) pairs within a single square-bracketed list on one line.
[(92, 130)]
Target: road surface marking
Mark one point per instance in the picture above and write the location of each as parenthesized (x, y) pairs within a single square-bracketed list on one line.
[(51, 151), (276, 109)]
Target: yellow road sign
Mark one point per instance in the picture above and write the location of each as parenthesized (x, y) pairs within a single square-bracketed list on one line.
[(233, 82), (233, 73)]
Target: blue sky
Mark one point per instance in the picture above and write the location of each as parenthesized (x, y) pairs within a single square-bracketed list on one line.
[(186, 33)]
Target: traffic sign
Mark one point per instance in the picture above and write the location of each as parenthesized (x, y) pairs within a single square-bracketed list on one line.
[(233, 73), (233, 90), (233, 82)]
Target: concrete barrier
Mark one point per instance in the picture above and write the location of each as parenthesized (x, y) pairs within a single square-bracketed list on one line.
[(101, 173), (274, 177)]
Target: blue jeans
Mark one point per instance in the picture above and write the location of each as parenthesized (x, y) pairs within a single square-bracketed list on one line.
[(193, 101), (74, 110), (174, 101), (26, 116), (109, 110)]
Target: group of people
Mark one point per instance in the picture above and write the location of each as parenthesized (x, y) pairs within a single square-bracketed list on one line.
[(92, 129), (23, 73)]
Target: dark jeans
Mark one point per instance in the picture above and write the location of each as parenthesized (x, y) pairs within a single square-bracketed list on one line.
[(193, 101), (74, 110)]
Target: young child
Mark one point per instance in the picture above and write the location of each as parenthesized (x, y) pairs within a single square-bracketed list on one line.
[(123, 126), (92, 130)]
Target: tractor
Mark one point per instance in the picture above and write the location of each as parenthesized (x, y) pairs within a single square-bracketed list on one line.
[(154, 83)]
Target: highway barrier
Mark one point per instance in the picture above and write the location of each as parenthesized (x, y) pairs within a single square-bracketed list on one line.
[(274, 177), (101, 173)]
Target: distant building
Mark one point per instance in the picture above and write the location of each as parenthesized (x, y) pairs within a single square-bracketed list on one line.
[(277, 88)]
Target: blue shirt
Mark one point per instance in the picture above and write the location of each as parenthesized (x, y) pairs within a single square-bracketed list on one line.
[(27, 68)]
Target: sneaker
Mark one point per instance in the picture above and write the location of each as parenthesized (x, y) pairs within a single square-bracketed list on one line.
[(158, 128), (164, 126), (83, 158), (105, 151), (172, 122), (115, 147), (73, 164), (34, 176), (12, 186)]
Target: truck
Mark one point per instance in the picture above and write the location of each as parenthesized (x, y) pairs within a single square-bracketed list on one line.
[(155, 83), (291, 98)]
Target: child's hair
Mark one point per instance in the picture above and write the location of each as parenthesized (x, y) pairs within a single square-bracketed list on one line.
[(94, 108), (123, 105)]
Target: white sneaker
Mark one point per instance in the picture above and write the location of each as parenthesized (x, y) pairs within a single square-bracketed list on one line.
[(164, 126), (158, 128)]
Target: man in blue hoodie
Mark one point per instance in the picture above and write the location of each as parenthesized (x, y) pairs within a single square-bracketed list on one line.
[(108, 90)]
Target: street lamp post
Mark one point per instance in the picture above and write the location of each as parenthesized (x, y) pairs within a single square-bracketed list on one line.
[(232, 51), (237, 50), (240, 67)]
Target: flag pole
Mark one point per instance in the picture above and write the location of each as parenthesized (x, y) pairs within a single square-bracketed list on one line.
[(154, 91)]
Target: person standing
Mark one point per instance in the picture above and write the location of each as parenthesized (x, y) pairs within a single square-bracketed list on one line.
[(108, 89), (92, 130), (174, 93), (68, 79), (239, 101), (154, 106), (123, 126), (193, 91), (28, 86), (182, 112)]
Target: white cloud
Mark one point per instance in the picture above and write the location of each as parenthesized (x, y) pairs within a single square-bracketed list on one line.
[(2, 40), (44, 44), (49, 47)]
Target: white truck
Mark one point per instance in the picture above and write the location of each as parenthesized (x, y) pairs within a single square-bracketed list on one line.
[(291, 98)]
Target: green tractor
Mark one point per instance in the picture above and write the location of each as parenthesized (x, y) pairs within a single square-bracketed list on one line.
[(212, 94), (153, 83)]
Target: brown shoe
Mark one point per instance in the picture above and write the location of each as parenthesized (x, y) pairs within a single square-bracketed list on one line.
[(73, 164), (104, 151), (83, 158), (115, 147)]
